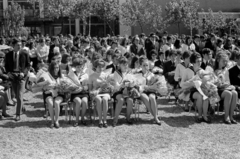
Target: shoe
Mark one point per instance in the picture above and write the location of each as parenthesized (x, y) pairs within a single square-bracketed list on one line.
[(14, 100), (52, 125), (157, 122), (199, 120), (46, 114), (57, 125), (114, 123), (211, 110), (75, 124), (6, 115), (186, 109), (233, 121), (228, 122), (105, 125), (23, 109), (10, 104), (206, 121), (83, 122), (100, 125), (17, 118), (129, 122)]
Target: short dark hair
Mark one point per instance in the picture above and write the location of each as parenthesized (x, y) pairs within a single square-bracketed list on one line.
[(15, 41), (98, 62), (186, 54), (169, 38), (206, 51), (172, 52), (122, 60), (194, 57), (153, 52), (142, 59), (64, 58), (78, 61), (110, 52)]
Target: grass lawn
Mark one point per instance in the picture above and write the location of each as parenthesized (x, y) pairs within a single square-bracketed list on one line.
[(178, 137)]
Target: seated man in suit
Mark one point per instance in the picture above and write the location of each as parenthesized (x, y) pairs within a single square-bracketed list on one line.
[(136, 48), (234, 74), (114, 64), (207, 59), (169, 68), (161, 60)]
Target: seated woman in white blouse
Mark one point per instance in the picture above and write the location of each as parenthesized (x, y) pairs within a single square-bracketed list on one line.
[(189, 73), (80, 99), (226, 91), (148, 97), (120, 75), (96, 82), (181, 68)]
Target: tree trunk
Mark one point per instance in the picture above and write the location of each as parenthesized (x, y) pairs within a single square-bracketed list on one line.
[(110, 28), (62, 20), (141, 27), (178, 24), (84, 27)]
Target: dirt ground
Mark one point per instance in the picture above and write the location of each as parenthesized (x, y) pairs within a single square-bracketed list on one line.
[(178, 137)]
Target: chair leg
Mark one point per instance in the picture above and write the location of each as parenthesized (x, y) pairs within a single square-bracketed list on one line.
[(66, 112)]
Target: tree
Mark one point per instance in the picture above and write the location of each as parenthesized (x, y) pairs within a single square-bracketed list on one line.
[(133, 13), (190, 14), (174, 13), (107, 10), (183, 11), (211, 22), (14, 17), (83, 10), (154, 18), (57, 8)]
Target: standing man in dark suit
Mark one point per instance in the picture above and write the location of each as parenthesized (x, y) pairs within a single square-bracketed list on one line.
[(17, 64), (234, 74)]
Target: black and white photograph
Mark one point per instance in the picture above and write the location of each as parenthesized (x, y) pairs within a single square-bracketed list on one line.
[(119, 79)]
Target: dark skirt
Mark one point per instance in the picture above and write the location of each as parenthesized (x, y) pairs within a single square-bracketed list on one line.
[(80, 95), (148, 93), (50, 95), (117, 93), (194, 90)]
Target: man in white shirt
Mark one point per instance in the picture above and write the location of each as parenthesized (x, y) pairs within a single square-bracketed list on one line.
[(168, 45), (42, 50)]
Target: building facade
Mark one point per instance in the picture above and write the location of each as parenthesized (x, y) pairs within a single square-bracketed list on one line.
[(37, 22)]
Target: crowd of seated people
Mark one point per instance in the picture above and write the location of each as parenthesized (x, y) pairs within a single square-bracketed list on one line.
[(180, 59)]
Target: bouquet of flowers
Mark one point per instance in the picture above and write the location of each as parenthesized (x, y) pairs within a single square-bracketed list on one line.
[(66, 85), (158, 84), (130, 89), (43, 81)]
